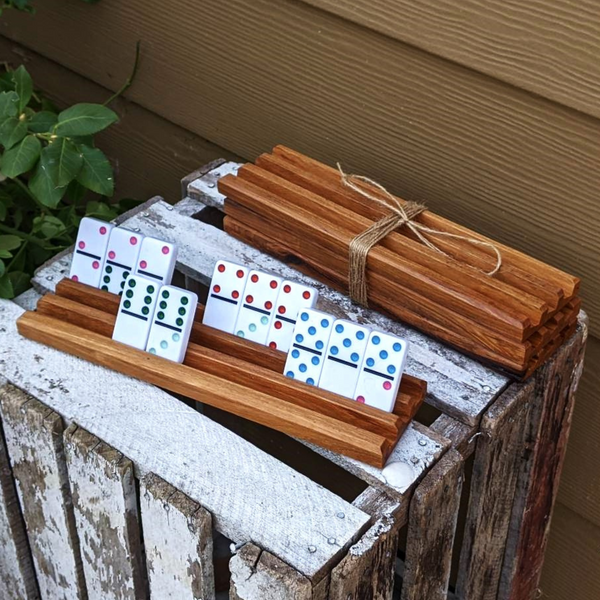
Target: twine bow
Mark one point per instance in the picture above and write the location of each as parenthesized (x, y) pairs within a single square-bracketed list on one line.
[(401, 214)]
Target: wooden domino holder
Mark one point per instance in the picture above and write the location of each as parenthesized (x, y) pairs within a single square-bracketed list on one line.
[(339, 424)]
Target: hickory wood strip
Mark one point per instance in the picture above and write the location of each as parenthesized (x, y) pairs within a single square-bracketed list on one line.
[(257, 574), (207, 388), (367, 571), (177, 541), (528, 149), (549, 274), (34, 441), (17, 576), (457, 385), (231, 477), (394, 272), (432, 525), (447, 273), (548, 432), (499, 451), (105, 504), (207, 358), (513, 356)]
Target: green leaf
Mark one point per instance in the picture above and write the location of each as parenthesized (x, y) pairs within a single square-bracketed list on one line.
[(48, 226), (96, 173), (100, 210), (76, 192), (20, 282), (64, 160), (42, 122), (84, 119), (5, 254), (6, 82), (23, 86), (42, 185), (9, 105), (2, 211), (12, 131), (2, 268), (6, 288), (21, 158), (9, 242)]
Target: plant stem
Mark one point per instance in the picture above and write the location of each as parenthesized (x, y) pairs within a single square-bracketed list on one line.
[(14, 258), (130, 79), (24, 236), (28, 192)]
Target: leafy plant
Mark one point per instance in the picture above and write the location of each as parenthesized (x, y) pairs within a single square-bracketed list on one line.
[(48, 168)]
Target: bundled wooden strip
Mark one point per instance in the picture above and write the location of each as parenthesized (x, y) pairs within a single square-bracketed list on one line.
[(236, 398), (300, 210)]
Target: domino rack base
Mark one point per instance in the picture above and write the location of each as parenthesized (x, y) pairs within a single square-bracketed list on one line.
[(196, 502)]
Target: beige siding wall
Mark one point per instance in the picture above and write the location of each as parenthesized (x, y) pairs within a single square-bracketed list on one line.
[(488, 111)]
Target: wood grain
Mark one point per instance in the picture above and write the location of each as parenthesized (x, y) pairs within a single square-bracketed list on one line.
[(544, 48), (34, 441), (491, 156), (231, 476), (105, 500), (178, 543), (231, 368), (432, 525), (233, 397)]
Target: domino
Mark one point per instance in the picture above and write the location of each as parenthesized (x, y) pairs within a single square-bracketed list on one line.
[(225, 296), (121, 259), (311, 336), (90, 251), (258, 301), (172, 324), (343, 358), (381, 371), (292, 298), (136, 311), (156, 260)]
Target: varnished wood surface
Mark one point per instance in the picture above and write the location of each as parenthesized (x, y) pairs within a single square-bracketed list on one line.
[(544, 47), (498, 159), (209, 389)]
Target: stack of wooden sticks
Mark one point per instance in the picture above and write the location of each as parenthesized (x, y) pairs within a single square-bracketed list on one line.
[(227, 372), (299, 210)]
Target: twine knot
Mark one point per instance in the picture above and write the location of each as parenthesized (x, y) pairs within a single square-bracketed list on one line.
[(402, 214)]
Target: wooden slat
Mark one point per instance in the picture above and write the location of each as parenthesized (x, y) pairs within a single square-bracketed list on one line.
[(499, 450), (231, 477), (485, 153), (526, 45), (178, 543), (259, 406), (34, 440), (257, 574), (226, 364), (367, 571), (105, 502), (580, 484), (17, 576), (148, 152), (551, 410), (432, 525)]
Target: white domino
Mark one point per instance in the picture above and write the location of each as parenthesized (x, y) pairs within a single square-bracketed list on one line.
[(343, 358), (311, 335), (225, 296), (258, 306), (292, 298), (136, 311), (90, 251), (121, 258), (156, 260), (381, 371), (172, 323)]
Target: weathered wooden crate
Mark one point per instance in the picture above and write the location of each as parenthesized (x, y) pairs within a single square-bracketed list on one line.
[(112, 488)]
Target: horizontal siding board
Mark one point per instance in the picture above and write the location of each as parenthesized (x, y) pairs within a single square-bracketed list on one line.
[(572, 568), (149, 153), (580, 484), (549, 48), (246, 76)]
